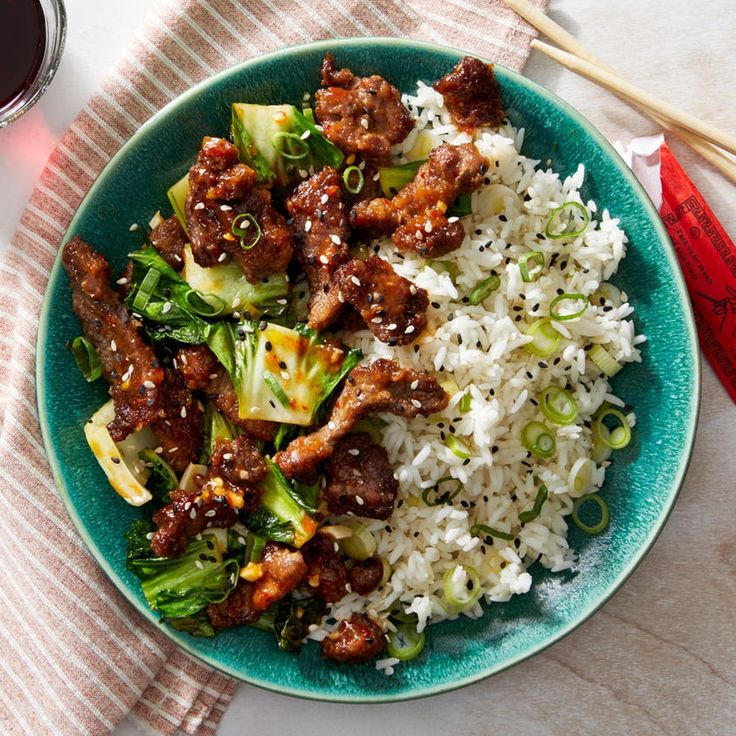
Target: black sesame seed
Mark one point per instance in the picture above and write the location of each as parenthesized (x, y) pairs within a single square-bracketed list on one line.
[(268, 346), (503, 218)]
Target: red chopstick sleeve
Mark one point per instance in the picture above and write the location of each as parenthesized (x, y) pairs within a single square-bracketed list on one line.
[(708, 260)]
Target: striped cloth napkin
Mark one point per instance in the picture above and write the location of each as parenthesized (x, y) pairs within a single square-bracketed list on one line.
[(76, 657)]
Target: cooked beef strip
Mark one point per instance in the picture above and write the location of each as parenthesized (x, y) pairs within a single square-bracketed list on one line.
[(359, 469), (362, 115), (472, 95), (392, 307), (366, 575), (169, 240), (416, 215), (129, 364), (220, 189), (186, 516), (320, 227), (236, 467), (327, 575), (382, 386), (202, 371), (357, 639), (283, 569), (179, 431)]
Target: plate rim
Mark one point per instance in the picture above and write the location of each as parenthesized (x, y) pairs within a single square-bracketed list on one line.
[(559, 634)]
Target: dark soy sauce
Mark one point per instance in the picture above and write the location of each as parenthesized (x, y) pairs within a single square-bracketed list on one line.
[(22, 44)]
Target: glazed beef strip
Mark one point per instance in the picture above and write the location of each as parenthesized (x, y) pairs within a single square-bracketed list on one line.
[(416, 215), (128, 363), (169, 240), (235, 468), (220, 189), (472, 95), (282, 570), (361, 115), (327, 575), (357, 639), (360, 479), (393, 308), (179, 431), (202, 371), (382, 386), (366, 575), (320, 227)]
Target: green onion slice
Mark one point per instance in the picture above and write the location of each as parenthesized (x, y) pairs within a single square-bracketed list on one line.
[(406, 642), (616, 438), (398, 614), (372, 426), (205, 305), (554, 311), (481, 530), (289, 145), (254, 547), (531, 265), (526, 516), (162, 479), (603, 512), (458, 447), (562, 221), (538, 439), (604, 360), (387, 571), (360, 545), (448, 267), (558, 405), (86, 358), (484, 289), (470, 592), (145, 290), (453, 486), (546, 338), (465, 402), (357, 186), (250, 233), (581, 476)]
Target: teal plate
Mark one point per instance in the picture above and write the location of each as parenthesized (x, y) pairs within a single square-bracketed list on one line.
[(641, 487)]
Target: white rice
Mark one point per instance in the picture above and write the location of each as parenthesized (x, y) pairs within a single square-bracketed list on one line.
[(423, 543)]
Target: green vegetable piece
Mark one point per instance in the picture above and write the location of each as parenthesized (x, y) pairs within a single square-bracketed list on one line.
[(293, 619), (484, 289), (526, 516), (353, 179), (538, 439), (86, 358), (616, 438), (216, 426), (280, 374), (361, 545), (545, 340), (196, 625), (558, 405), (482, 530), (458, 447), (604, 515), (406, 642), (394, 178), (567, 221), (531, 265), (246, 227), (459, 597), (561, 299), (162, 479), (443, 491), (177, 195), (604, 360)]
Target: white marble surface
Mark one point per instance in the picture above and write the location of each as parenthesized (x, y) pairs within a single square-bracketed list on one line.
[(660, 657)]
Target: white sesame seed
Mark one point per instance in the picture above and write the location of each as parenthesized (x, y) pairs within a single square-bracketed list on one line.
[(149, 384), (133, 227), (282, 301), (452, 219), (359, 500), (392, 326), (255, 410), (210, 513), (364, 123), (323, 199), (212, 376), (352, 451), (198, 564), (409, 330), (324, 259), (243, 474), (335, 239), (113, 345), (355, 280), (149, 535), (172, 450), (183, 412), (304, 174), (221, 257), (331, 425), (199, 206), (193, 514), (414, 385), (376, 177), (377, 320), (428, 226), (227, 456), (307, 226), (225, 207), (234, 303), (241, 540), (305, 134), (122, 281), (340, 297), (416, 404), (166, 307), (159, 450), (418, 235), (187, 505), (285, 375), (412, 290)]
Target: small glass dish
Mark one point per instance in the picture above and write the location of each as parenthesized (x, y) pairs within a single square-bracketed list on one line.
[(54, 15)]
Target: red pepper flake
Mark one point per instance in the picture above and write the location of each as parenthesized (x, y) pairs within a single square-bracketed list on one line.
[(708, 260)]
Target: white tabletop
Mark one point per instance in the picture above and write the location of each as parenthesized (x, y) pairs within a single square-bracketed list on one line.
[(660, 656)]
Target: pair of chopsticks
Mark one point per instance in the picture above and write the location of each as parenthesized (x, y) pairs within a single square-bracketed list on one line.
[(712, 144)]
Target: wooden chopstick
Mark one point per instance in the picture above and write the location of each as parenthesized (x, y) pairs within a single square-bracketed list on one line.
[(565, 40)]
